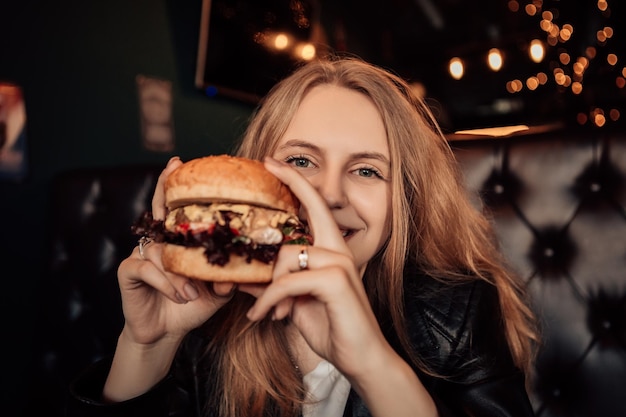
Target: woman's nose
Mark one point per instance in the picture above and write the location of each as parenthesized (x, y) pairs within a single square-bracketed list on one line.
[(331, 188)]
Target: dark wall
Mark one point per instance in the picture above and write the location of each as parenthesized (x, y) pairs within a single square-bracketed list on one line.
[(77, 62)]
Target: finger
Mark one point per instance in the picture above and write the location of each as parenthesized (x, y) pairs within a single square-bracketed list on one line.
[(185, 289), (303, 284), (283, 309), (134, 271), (158, 200), (321, 221), (295, 258), (223, 289)]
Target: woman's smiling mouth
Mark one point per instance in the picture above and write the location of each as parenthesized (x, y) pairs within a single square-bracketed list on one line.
[(345, 232)]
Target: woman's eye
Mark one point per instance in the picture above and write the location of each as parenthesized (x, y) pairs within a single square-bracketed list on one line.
[(368, 172), (298, 162)]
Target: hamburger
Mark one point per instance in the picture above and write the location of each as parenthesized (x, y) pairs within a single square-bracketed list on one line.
[(227, 218)]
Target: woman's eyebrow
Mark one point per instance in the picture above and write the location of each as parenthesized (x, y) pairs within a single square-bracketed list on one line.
[(371, 155), (299, 144)]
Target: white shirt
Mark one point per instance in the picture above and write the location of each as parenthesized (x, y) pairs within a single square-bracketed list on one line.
[(328, 391)]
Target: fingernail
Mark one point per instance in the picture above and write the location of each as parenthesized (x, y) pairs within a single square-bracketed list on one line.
[(190, 291), (172, 159)]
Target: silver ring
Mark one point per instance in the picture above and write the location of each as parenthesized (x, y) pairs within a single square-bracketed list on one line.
[(143, 242), (303, 259)]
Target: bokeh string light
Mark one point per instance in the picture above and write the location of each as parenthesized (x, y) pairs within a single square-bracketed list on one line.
[(569, 71), (577, 58)]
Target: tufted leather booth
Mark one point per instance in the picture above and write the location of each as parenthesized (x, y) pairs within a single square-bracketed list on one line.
[(558, 202), (557, 199), (90, 213)]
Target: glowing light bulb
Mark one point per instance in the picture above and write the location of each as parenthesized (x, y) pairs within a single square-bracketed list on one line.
[(281, 41), (456, 68), (307, 51), (495, 59), (532, 83), (536, 50), (611, 59)]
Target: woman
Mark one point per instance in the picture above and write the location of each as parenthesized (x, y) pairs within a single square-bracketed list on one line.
[(405, 308)]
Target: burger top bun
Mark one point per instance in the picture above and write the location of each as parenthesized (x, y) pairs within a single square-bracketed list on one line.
[(225, 178)]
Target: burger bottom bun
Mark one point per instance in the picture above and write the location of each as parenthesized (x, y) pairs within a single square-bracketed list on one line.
[(192, 263)]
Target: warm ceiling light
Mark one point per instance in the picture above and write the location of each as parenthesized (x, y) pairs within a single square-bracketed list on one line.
[(577, 88), (554, 31), (306, 51), (532, 83), (456, 68), (566, 33), (552, 40), (590, 52), (281, 41), (494, 59), (536, 50), (578, 68), (542, 77), (560, 78), (568, 81), (611, 59), (418, 89), (514, 86), (546, 25), (599, 119), (603, 5), (614, 114)]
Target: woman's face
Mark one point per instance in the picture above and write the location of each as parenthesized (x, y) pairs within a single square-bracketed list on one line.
[(337, 140)]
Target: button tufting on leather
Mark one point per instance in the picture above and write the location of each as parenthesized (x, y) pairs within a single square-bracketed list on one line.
[(568, 193), (499, 188), (607, 318), (552, 251)]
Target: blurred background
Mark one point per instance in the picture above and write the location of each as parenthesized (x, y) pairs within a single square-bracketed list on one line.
[(111, 83), (478, 64)]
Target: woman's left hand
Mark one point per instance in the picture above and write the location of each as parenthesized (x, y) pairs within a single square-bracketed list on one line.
[(327, 300)]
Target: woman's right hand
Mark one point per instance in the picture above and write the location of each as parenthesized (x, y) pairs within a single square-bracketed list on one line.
[(158, 304), (160, 308)]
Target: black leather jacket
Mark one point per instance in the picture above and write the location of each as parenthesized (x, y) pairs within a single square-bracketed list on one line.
[(456, 329)]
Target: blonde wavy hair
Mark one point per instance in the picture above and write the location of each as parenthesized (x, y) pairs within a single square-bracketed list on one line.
[(434, 225)]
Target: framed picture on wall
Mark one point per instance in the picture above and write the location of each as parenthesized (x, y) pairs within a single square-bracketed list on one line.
[(155, 109), (13, 158)]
